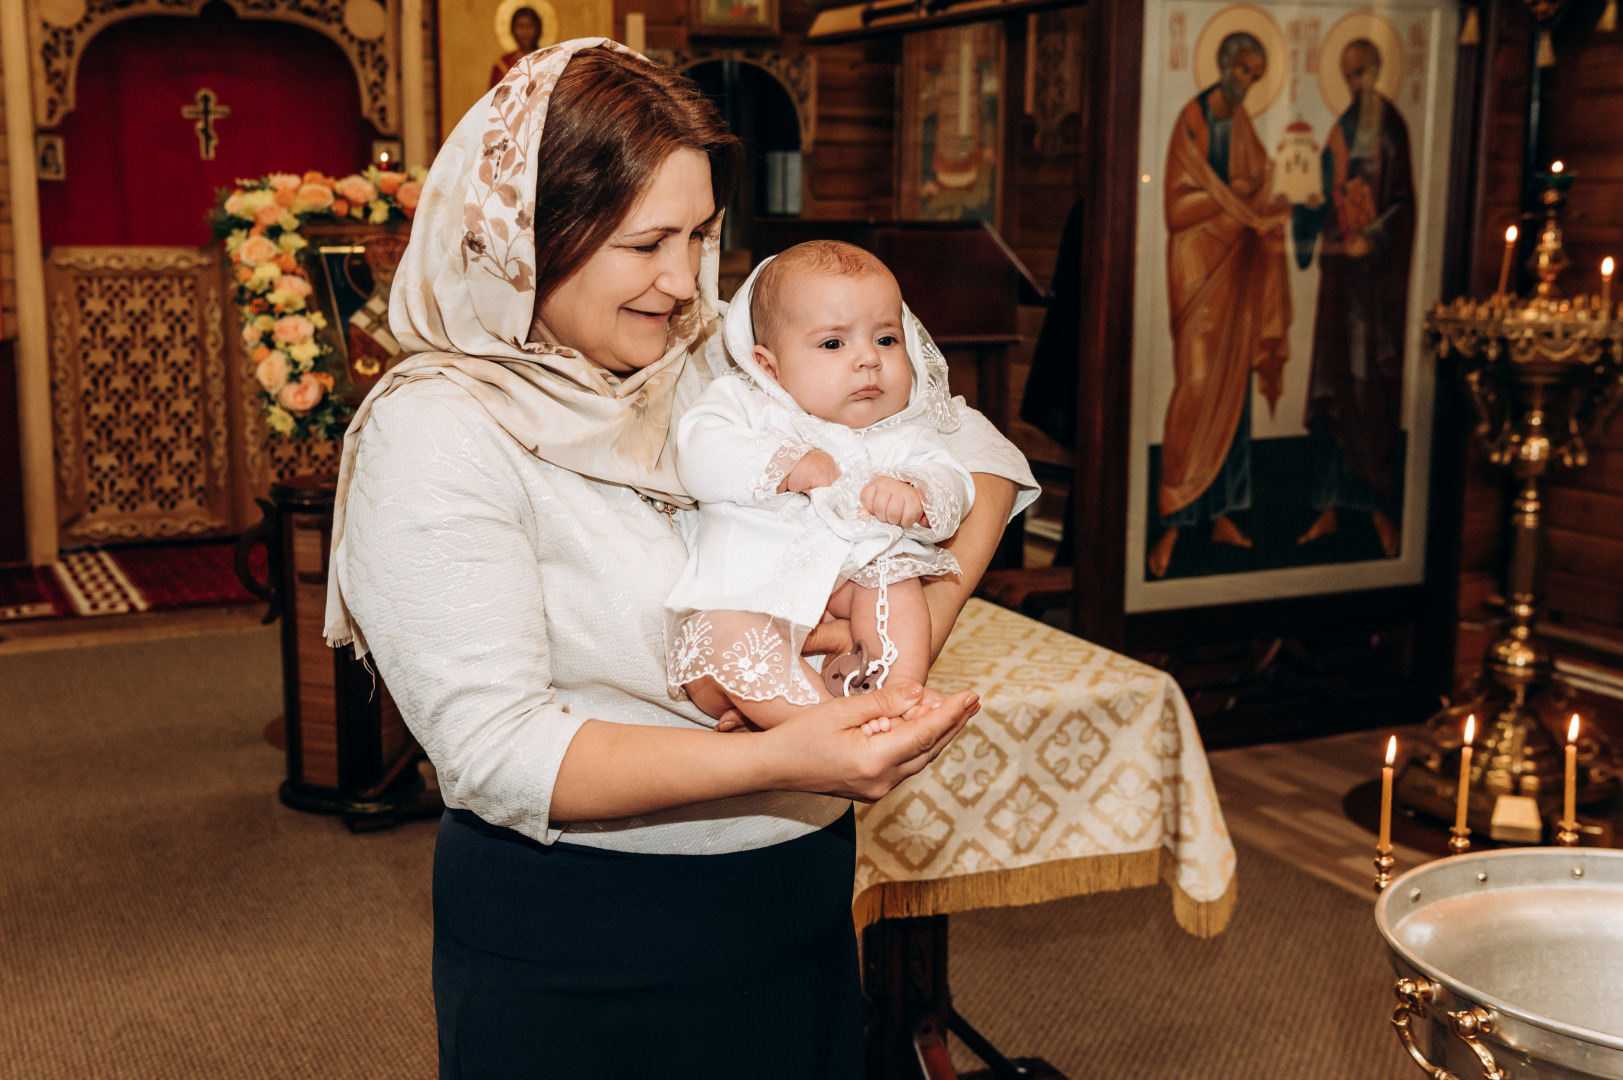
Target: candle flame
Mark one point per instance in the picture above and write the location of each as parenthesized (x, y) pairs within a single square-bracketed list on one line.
[(383, 158), (1511, 234), (1391, 749), (1572, 729), (1607, 266), (1557, 167), (1470, 728)]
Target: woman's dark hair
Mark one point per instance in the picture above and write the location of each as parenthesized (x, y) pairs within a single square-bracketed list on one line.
[(612, 121)]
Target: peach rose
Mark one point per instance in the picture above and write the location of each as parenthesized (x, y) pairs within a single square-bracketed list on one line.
[(302, 396), (314, 197), (258, 249), (313, 177), (407, 196), (357, 189), (293, 285), (267, 215), (390, 182), (284, 199), (285, 181), (293, 330), (234, 205), (340, 207), (272, 372)]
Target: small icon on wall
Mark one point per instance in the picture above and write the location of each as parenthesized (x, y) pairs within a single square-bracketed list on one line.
[(205, 110), (50, 160)]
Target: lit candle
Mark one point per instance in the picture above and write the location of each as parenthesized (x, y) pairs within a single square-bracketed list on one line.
[(1571, 818), (1386, 795), (1606, 267), (1504, 267), (383, 160), (1557, 167), (1462, 802)]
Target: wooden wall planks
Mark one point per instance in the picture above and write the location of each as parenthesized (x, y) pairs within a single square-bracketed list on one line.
[(1584, 589)]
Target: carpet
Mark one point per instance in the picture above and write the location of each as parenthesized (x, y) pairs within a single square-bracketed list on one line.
[(164, 916), (119, 581)]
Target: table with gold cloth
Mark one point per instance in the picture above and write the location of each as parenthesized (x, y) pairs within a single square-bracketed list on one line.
[(1082, 773)]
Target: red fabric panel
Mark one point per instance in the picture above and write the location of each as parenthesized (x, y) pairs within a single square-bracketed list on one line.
[(134, 173)]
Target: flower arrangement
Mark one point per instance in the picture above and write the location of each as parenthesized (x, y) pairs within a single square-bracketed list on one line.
[(260, 222)]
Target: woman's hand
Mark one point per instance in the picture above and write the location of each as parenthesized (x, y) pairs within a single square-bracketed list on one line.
[(822, 749)]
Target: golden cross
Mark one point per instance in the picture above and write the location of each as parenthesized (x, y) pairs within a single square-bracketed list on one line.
[(206, 110)]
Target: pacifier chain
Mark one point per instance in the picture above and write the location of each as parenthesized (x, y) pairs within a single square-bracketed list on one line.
[(887, 648)]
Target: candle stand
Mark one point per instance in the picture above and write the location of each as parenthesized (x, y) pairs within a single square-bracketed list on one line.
[(1540, 372)]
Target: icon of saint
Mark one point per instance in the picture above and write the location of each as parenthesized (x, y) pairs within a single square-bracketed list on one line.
[(1363, 225), (1229, 299), (525, 27)]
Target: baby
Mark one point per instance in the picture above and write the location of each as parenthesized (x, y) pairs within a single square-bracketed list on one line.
[(823, 487)]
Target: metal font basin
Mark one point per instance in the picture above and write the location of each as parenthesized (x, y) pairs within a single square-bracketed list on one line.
[(1510, 963)]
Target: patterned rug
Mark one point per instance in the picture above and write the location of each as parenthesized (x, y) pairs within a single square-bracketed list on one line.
[(119, 581)]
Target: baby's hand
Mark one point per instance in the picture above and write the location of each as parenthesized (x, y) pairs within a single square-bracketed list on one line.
[(893, 501), (928, 701), (816, 469)]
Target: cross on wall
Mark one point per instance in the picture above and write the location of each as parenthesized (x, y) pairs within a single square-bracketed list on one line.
[(205, 110)]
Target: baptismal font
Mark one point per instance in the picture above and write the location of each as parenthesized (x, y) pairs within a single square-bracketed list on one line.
[(1540, 372)]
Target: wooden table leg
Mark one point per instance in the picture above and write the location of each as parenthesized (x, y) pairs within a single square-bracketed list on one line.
[(910, 1008)]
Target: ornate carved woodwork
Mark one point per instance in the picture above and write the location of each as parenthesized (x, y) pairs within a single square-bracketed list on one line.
[(364, 29), (138, 389), (157, 420), (797, 71)]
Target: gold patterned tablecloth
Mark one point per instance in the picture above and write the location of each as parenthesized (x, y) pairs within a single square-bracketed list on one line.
[(1082, 773)]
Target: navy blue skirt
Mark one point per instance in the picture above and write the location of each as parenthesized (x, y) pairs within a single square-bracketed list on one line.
[(574, 962)]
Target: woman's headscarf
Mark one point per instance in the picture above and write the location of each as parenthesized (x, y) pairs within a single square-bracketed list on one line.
[(464, 299)]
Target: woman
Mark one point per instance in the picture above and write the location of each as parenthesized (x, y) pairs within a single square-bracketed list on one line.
[(509, 523)]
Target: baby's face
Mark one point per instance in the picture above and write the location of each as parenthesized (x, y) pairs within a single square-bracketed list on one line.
[(838, 348)]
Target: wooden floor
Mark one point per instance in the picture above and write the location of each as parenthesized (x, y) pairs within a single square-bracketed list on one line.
[(1286, 799)]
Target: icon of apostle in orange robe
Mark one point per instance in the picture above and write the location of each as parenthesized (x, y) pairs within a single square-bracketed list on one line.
[(1366, 218), (1230, 301)]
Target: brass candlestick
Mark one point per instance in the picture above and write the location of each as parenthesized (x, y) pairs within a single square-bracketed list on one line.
[(1459, 839), (1384, 862), (1540, 373)]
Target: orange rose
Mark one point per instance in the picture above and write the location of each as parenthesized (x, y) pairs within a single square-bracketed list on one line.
[(323, 378), (244, 274), (313, 197), (340, 207), (284, 199), (267, 215), (313, 177), (258, 249), (407, 196), (287, 263), (300, 397), (390, 182), (261, 352), (357, 189)]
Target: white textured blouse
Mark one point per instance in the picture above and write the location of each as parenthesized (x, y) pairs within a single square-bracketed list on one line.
[(507, 601)]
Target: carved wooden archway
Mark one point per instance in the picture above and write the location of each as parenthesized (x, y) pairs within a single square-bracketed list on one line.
[(795, 72), (364, 29)]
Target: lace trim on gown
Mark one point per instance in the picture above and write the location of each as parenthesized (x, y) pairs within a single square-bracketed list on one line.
[(755, 656)]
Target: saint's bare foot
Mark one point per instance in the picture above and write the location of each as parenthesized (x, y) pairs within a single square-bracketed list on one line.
[(1225, 531), (1161, 553), (1325, 525), (1388, 533)]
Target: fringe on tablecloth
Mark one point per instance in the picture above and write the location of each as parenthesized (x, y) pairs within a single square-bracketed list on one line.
[(1046, 881)]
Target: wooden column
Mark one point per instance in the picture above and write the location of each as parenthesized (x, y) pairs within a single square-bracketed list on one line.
[(33, 374)]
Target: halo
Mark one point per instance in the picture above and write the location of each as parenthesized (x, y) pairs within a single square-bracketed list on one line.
[(1243, 19), (504, 23), (1378, 30)]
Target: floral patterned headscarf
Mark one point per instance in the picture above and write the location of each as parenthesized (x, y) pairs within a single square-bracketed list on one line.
[(464, 299)]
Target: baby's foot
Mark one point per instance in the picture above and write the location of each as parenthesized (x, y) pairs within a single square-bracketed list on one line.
[(929, 700)]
